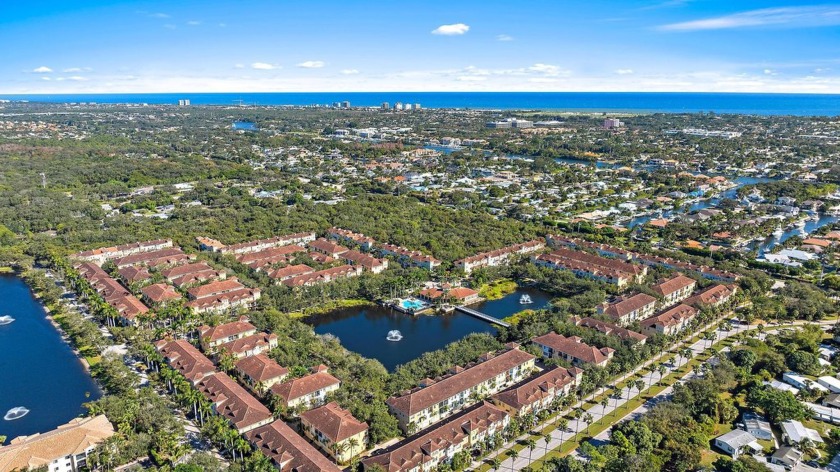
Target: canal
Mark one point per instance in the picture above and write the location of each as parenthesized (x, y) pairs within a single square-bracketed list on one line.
[(38, 369), (364, 329)]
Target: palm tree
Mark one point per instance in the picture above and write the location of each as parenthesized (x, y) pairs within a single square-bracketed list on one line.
[(546, 440), (532, 444), (513, 453), (562, 423), (495, 463), (604, 402), (661, 369), (577, 414), (587, 418)]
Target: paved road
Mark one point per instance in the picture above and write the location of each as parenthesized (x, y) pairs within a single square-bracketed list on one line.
[(597, 412)]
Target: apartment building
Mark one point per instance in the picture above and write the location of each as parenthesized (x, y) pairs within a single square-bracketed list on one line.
[(186, 359), (626, 310), (233, 403), (435, 400), (407, 257), (669, 322), (538, 392), (674, 289), (610, 329), (260, 372), (307, 391), (289, 451), (573, 350), (101, 255), (713, 296), (335, 431), (213, 336), (365, 243), (498, 257)]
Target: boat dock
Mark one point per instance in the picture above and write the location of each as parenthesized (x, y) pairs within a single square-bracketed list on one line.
[(482, 316)]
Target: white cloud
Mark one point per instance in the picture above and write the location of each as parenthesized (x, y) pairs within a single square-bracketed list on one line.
[(769, 72), (77, 78), (472, 78), (349, 71), (45, 78), (547, 69), (312, 64), (193, 23), (784, 17), (239, 66), (72, 69), (451, 30), (263, 66), (159, 15), (624, 71), (42, 70), (504, 37)]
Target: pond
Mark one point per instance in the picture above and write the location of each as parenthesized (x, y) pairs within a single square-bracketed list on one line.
[(365, 330), (39, 372)]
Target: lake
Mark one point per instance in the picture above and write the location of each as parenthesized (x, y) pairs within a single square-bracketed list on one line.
[(38, 370), (364, 329)]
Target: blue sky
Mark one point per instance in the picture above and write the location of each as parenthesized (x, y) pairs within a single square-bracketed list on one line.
[(554, 45)]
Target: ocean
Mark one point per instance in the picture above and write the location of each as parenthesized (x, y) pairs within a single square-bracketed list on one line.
[(676, 102)]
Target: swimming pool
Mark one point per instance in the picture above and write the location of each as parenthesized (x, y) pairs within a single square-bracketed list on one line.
[(412, 304)]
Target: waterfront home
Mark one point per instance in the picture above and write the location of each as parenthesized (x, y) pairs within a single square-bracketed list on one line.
[(449, 294), (266, 258), (610, 329), (285, 273), (327, 247), (635, 272), (335, 431), (307, 391), (674, 289), (498, 256), (64, 449), (101, 255), (626, 310), (260, 244), (260, 372), (190, 274), (233, 403), (572, 349), (323, 276), (536, 393), (213, 336), (365, 243), (407, 257), (287, 450), (186, 359), (440, 398), (161, 257), (248, 346), (159, 294), (438, 445), (669, 322), (713, 296), (736, 442), (794, 432)]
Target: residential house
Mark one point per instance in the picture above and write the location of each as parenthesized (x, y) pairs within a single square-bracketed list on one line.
[(407, 257), (756, 425), (327, 247), (713, 296), (736, 442), (787, 457), (289, 451), (573, 350), (249, 346), (610, 329), (536, 393), (335, 431), (674, 289), (161, 257), (307, 391), (669, 322), (288, 272), (629, 309), (159, 294), (439, 444), (64, 449), (323, 276), (221, 295), (193, 273), (794, 433), (260, 372), (233, 403), (213, 336), (437, 399), (186, 359), (348, 237), (368, 262)]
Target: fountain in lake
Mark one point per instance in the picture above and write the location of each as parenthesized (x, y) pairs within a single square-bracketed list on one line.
[(16, 413), (394, 335), (5, 319)]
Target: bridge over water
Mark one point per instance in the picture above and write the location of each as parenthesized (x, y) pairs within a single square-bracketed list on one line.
[(482, 316)]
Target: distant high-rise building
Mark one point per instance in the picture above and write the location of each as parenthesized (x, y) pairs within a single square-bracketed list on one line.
[(386, 105), (407, 106), (416, 106), (345, 104), (612, 123), (398, 106), (184, 102)]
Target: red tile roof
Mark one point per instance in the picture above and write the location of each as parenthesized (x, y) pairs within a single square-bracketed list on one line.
[(186, 359), (575, 347), (334, 422), (158, 293), (293, 389), (534, 389), (233, 402), (674, 284), (215, 333), (288, 450), (261, 368), (628, 305), (215, 288)]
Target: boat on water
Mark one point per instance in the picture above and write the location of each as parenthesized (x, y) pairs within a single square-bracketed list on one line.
[(5, 319), (525, 299), (800, 223), (778, 233)]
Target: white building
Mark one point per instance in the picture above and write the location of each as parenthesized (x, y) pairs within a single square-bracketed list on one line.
[(736, 442), (832, 384), (794, 432)]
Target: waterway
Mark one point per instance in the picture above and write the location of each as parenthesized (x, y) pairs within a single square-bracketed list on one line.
[(364, 329), (38, 369)]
